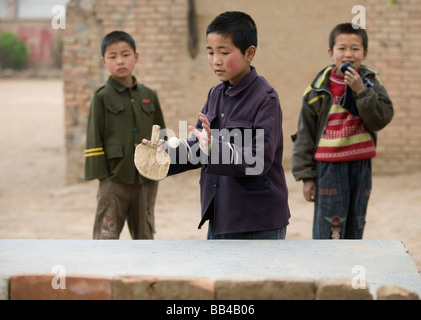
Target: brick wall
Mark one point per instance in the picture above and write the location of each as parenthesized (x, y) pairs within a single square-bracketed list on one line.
[(138, 287), (288, 55), (395, 50)]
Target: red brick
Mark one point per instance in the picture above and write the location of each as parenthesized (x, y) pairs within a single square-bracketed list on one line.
[(162, 288), (395, 293), (288, 289), (340, 289), (39, 287)]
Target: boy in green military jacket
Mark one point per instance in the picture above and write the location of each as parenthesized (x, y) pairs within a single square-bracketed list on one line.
[(121, 114)]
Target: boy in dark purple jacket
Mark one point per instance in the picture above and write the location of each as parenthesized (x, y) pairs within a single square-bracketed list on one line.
[(237, 141)]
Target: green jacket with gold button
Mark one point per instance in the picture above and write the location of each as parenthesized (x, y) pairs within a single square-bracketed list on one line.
[(119, 118)]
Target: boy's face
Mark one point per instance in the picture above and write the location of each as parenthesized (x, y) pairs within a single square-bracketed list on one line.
[(120, 60), (348, 48), (226, 60)]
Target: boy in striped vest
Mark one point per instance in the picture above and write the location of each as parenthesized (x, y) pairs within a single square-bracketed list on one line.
[(342, 111)]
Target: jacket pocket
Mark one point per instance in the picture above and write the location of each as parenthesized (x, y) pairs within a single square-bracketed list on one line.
[(210, 117), (115, 108), (241, 124), (114, 151), (147, 106), (255, 184), (240, 132)]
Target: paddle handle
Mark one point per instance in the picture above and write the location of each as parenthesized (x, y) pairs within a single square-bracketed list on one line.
[(155, 135)]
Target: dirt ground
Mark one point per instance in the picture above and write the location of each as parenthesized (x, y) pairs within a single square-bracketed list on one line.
[(35, 203)]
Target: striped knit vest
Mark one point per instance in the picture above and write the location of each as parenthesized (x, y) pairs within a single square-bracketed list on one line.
[(345, 138)]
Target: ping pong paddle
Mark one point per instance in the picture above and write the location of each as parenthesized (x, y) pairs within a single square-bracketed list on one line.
[(150, 163)]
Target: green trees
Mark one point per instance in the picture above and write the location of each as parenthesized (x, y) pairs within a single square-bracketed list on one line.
[(13, 52)]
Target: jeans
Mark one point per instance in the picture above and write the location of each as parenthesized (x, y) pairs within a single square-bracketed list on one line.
[(343, 191), (276, 234)]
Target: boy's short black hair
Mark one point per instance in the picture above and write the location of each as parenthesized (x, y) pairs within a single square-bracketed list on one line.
[(348, 28), (239, 26), (117, 36)]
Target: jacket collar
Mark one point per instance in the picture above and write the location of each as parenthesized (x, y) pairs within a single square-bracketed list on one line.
[(119, 86), (242, 84)]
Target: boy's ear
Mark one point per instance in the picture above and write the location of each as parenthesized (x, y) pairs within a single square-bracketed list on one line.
[(250, 53), (330, 52)]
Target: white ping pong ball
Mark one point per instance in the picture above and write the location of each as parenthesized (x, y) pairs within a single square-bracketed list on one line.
[(173, 142)]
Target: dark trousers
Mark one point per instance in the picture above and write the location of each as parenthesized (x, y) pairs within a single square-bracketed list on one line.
[(343, 191)]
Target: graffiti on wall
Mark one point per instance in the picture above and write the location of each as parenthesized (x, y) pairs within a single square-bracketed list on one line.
[(39, 43)]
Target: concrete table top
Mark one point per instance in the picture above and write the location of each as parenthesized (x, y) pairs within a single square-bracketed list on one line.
[(380, 262)]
